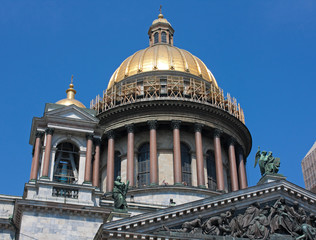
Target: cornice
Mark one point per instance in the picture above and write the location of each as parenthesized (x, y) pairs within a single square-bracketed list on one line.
[(260, 193), (164, 109)]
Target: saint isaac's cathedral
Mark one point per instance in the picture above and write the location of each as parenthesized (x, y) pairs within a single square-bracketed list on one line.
[(164, 125)]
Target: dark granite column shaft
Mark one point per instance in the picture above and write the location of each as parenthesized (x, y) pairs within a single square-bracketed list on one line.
[(110, 162), (218, 161), (177, 169), (199, 155), (130, 154), (35, 161), (153, 152), (232, 165), (48, 149)]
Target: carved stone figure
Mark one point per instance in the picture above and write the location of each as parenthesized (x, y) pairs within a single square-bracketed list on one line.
[(251, 212), (281, 219), (267, 163), (187, 227), (257, 223), (309, 233), (258, 227), (216, 225), (119, 195)]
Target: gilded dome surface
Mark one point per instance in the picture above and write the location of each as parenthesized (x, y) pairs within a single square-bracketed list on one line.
[(70, 100), (162, 57)]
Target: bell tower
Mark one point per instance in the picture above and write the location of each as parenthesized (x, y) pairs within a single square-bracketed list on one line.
[(66, 147)]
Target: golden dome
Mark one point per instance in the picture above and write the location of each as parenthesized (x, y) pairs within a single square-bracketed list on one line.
[(162, 57), (71, 92)]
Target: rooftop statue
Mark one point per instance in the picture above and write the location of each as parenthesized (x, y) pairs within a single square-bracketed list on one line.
[(267, 163), (119, 195)]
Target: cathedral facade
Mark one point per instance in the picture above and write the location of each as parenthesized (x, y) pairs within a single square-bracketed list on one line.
[(166, 127)]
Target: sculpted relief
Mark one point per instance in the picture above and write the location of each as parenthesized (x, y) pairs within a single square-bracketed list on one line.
[(256, 222)]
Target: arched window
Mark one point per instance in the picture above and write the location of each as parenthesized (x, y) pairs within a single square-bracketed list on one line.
[(164, 37), (117, 164), (156, 37), (211, 170), (66, 163), (143, 165), (186, 164)]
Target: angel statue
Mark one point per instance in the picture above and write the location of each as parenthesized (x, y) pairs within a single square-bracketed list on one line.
[(119, 195), (267, 163)]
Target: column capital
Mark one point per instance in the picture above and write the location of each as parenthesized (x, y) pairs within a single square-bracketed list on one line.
[(175, 124), (232, 141), (217, 132), (39, 134), (97, 141), (240, 150), (198, 127), (89, 136), (130, 128), (110, 134), (152, 124), (49, 131)]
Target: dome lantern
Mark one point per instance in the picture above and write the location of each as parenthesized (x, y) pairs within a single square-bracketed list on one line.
[(160, 31)]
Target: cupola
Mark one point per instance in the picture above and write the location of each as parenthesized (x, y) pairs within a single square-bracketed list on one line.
[(160, 31), (71, 92)]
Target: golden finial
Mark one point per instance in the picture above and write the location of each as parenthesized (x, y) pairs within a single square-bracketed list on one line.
[(71, 91), (160, 14)]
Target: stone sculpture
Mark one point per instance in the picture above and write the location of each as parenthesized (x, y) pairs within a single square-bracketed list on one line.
[(188, 227), (256, 223), (267, 163), (119, 195)]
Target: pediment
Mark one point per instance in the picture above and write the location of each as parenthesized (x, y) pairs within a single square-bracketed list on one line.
[(72, 113), (266, 195)]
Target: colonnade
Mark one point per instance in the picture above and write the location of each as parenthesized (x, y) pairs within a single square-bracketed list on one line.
[(91, 142), (236, 163), (237, 168)]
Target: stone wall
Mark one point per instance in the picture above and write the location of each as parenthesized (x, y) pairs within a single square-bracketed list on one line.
[(43, 225)]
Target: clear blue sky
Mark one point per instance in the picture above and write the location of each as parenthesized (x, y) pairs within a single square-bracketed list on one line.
[(261, 52)]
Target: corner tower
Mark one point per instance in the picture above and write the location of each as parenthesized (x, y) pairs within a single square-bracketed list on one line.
[(65, 145)]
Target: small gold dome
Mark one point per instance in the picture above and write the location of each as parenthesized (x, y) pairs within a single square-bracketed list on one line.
[(162, 57), (71, 92)]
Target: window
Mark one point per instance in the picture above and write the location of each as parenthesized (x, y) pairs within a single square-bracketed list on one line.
[(117, 164), (211, 170), (143, 165), (66, 163), (156, 37), (164, 37), (186, 164)]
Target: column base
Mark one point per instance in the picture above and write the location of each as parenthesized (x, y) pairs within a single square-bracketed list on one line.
[(201, 186), (87, 183), (32, 180), (45, 178), (153, 184)]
